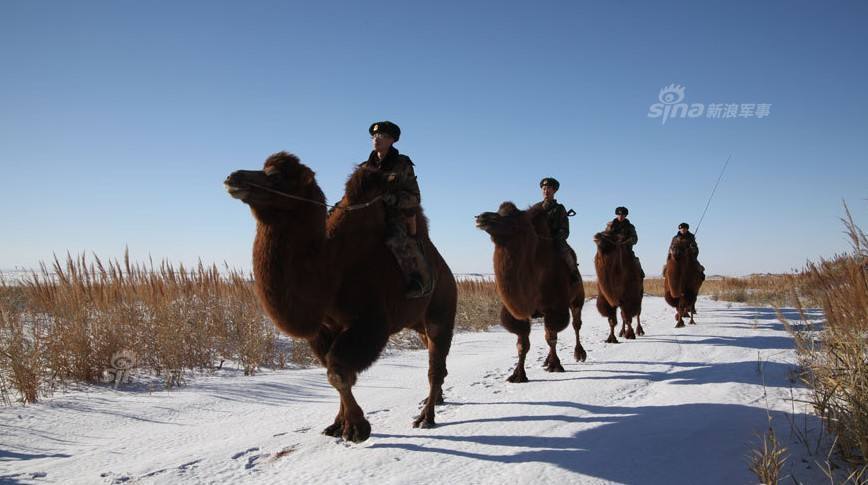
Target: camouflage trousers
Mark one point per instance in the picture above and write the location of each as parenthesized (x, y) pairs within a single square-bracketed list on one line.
[(407, 251)]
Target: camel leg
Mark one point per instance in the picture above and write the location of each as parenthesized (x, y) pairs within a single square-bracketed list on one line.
[(555, 321), (521, 328), (623, 328), (639, 330), (320, 346), (628, 323), (609, 312), (439, 341), (352, 351), (576, 310), (679, 316), (691, 309)]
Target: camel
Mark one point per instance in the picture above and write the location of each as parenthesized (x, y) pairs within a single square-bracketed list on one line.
[(330, 279), (532, 281), (620, 283), (682, 278)]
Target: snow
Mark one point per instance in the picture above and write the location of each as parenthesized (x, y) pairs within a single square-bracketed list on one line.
[(676, 406)]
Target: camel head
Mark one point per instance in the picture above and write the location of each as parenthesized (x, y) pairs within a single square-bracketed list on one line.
[(271, 190), (507, 224), (679, 249), (605, 242)]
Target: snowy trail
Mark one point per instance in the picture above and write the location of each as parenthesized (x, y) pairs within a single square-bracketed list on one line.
[(675, 406)]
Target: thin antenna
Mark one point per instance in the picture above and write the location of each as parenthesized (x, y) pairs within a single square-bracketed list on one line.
[(712, 193)]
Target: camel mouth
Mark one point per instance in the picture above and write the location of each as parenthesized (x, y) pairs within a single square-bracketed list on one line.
[(236, 192), (483, 221)]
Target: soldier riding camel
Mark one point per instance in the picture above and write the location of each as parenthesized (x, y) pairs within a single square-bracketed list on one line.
[(623, 231), (559, 224), (402, 206), (685, 234)]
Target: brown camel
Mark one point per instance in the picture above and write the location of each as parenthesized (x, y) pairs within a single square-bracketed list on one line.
[(682, 278), (620, 283), (330, 279), (532, 281)]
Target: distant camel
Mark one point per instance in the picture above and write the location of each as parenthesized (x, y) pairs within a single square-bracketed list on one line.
[(332, 281), (682, 278), (532, 281), (619, 284)]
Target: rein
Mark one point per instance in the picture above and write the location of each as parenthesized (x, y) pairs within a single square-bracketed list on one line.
[(321, 204)]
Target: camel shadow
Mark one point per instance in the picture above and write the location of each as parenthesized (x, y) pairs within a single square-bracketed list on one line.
[(758, 342), (646, 444), (767, 373)]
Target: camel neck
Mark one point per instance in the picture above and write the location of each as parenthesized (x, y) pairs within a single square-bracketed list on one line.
[(290, 274)]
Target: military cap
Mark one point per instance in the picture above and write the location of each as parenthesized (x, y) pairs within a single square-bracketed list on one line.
[(386, 127), (684, 225), (621, 210), (551, 182)]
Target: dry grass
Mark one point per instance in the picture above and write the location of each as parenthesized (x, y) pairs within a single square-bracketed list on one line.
[(767, 460), (835, 358), (478, 305), (66, 322)]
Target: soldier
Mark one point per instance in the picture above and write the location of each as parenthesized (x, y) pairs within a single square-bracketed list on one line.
[(559, 224), (684, 233), (622, 229), (402, 206)]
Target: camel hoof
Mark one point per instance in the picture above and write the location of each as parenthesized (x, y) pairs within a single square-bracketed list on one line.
[(630, 335), (580, 354), (423, 422), (334, 430), (438, 402), (547, 362), (640, 332), (556, 367), (357, 432), (621, 333), (679, 325), (692, 322), (612, 340), (517, 377)]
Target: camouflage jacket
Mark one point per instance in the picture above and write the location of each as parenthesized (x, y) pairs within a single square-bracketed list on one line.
[(404, 186), (556, 217), (625, 230)]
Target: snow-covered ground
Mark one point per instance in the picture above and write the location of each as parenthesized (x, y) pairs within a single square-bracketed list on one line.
[(676, 406)]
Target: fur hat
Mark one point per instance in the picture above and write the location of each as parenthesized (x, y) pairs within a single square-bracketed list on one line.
[(684, 225), (621, 210), (550, 181), (386, 127)]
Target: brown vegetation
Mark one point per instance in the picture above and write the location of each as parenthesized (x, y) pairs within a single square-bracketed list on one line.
[(834, 358), (66, 322)]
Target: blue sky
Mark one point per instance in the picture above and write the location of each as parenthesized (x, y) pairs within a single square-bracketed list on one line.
[(120, 120)]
